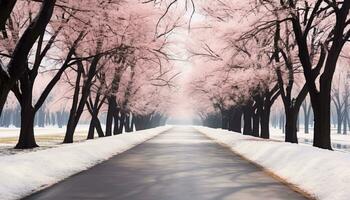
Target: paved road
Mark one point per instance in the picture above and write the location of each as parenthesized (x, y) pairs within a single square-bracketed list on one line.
[(180, 164)]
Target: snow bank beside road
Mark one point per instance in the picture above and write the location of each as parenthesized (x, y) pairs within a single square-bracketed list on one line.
[(23, 174), (324, 174)]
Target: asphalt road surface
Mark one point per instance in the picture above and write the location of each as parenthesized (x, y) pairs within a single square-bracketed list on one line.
[(180, 164)]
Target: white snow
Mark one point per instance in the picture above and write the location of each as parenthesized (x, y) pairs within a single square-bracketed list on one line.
[(322, 173), (23, 174), (340, 142), (48, 130)]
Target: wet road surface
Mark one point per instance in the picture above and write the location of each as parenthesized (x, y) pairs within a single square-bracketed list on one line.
[(180, 164)]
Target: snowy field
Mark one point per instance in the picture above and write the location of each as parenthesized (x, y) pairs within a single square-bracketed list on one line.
[(24, 173), (322, 173), (48, 137), (54, 130), (340, 142)]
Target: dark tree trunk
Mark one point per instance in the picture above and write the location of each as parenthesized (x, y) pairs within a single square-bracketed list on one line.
[(109, 122), (256, 123), (143, 122), (265, 122), (156, 119), (140, 123), (137, 120), (247, 118), (91, 132), (259, 116), (79, 104), (291, 125), (322, 123), (235, 122), (94, 107), (269, 98), (24, 94), (72, 114), (127, 123), (26, 136), (116, 122), (225, 119), (95, 124), (110, 115)]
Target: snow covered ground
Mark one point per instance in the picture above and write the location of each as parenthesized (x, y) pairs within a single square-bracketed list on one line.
[(54, 130), (22, 174), (48, 137), (339, 141), (322, 173)]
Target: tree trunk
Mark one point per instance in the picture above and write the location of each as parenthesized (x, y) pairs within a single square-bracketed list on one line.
[(5, 87), (307, 110), (235, 121), (256, 123), (132, 123), (345, 125), (116, 122), (348, 120), (99, 128), (225, 119), (321, 108), (265, 122), (247, 118), (280, 122), (91, 132), (121, 123), (110, 115), (137, 121), (291, 125), (95, 124), (59, 115), (306, 123), (127, 123), (72, 114), (79, 104), (339, 121), (26, 135)]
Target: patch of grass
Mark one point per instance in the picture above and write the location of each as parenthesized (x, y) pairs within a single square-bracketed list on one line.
[(78, 137)]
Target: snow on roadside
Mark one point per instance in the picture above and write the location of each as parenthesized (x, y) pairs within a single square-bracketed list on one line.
[(340, 139), (322, 173), (23, 174)]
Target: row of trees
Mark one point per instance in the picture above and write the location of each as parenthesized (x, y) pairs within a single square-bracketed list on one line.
[(104, 57), (11, 117), (267, 50)]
